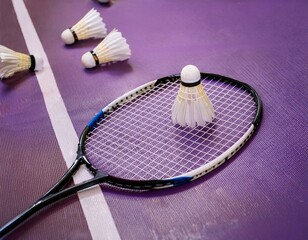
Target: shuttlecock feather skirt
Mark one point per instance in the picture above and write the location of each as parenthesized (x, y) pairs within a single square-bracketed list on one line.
[(192, 107), (15, 63)]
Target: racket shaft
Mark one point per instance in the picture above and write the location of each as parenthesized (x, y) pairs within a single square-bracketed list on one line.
[(64, 180), (46, 201)]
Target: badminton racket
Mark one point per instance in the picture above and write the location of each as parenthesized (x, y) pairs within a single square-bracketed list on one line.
[(132, 142)]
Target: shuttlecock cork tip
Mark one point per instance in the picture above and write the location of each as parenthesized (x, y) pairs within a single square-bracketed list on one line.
[(39, 62), (88, 60), (67, 37), (190, 74)]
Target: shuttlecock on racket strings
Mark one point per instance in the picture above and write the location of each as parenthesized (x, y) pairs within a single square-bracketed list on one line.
[(12, 62), (192, 107), (113, 48), (90, 26)]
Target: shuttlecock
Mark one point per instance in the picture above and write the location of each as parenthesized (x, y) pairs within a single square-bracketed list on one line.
[(192, 107), (90, 26), (12, 62), (113, 48)]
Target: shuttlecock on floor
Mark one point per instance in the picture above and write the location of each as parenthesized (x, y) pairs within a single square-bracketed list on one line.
[(90, 26), (192, 107), (113, 48), (12, 62)]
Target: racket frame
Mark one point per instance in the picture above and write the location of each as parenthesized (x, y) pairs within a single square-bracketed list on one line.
[(57, 192)]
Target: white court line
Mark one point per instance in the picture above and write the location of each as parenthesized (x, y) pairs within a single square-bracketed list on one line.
[(94, 206)]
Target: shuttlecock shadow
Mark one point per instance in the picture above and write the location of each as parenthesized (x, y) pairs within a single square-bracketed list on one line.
[(116, 69), (200, 131), (13, 82), (104, 3), (88, 44)]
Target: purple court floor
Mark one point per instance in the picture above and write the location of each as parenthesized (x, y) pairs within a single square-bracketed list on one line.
[(261, 194)]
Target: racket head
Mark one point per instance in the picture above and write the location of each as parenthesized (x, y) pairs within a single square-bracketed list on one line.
[(134, 141)]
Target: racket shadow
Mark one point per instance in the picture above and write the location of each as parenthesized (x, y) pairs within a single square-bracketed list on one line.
[(107, 188)]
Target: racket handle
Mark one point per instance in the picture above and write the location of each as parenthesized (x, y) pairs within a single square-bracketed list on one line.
[(46, 201)]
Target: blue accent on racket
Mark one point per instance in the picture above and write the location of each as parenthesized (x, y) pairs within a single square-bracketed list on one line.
[(177, 181), (99, 116)]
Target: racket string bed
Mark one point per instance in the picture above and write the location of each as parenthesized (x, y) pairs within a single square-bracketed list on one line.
[(152, 147)]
